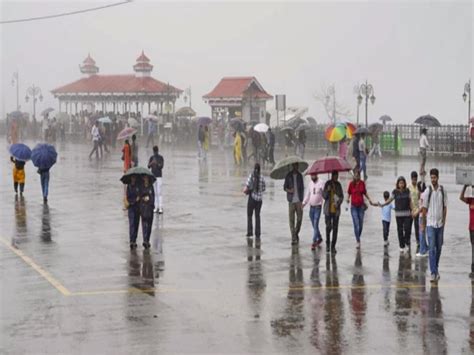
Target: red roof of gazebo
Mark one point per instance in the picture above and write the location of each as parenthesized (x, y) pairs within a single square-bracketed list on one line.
[(115, 84), (237, 87)]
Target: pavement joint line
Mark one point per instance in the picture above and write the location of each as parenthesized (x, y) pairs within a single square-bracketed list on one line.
[(46, 275)]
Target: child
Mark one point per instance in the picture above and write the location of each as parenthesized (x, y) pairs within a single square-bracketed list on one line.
[(386, 217), (18, 175), (423, 252)]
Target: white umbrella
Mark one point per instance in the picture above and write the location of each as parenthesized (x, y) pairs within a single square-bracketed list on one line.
[(105, 119), (261, 128)]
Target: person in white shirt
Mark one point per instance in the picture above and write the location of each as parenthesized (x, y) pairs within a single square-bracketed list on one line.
[(95, 140), (434, 211), (314, 197), (424, 146)]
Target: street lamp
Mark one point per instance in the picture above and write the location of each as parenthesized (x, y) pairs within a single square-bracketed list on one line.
[(365, 90), (467, 96), (16, 80), (35, 93)]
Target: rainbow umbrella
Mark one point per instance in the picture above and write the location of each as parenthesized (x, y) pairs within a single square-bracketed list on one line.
[(350, 129), (335, 133)]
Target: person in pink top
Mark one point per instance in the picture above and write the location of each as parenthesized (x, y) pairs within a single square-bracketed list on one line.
[(314, 197), (343, 148)]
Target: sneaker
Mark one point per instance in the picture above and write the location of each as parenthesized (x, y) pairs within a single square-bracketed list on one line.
[(407, 249), (160, 211), (146, 245), (133, 246), (294, 241), (358, 245), (417, 248), (386, 243), (418, 255), (433, 278), (437, 277), (333, 251), (249, 235), (155, 210), (318, 243), (328, 248), (313, 246)]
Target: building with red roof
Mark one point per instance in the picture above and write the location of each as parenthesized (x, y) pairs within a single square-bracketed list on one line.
[(116, 93), (238, 97)]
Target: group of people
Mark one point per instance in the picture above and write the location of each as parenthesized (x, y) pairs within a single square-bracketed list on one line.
[(417, 204), (262, 147), (19, 178)]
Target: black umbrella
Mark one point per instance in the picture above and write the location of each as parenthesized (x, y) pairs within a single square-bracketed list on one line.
[(385, 119), (295, 122), (311, 121), (361, 130), (375, 127), (428, 120)]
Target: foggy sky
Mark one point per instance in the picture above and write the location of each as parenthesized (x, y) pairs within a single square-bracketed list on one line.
[(418, 55)]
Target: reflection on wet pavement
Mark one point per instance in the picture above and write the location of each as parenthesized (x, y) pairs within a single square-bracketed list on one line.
[(220, 292)]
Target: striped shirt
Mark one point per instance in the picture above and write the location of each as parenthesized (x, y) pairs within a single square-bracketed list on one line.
[(434, 217), (256, 195)]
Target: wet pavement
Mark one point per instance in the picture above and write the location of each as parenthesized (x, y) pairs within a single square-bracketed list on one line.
[(71, 285)]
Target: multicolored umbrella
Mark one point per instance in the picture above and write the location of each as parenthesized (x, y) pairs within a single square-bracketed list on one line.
[(44, 156), (350, 130), (328, 165), (126, 133), (20, 151), (335, 133), (284, 166)]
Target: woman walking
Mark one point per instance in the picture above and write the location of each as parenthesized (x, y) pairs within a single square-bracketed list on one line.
[(254, 188), (18, 175), (126, 156), (147, 206), (403, 212), (237, 149), (356, 193)]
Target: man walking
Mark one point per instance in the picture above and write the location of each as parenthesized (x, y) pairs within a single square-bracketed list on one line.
[(156, 164), (95, 140), (151, 132), (134, 150), (294, 187), (434, 211), (424, 146), (333, 196)]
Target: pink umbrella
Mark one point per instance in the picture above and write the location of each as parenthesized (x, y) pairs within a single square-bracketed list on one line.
[(328, 165), (126, 133)]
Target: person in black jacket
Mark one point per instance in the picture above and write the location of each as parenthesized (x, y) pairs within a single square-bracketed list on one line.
[(147, 204), (333, 197), (294, 187), (133, 198), (156, 164)]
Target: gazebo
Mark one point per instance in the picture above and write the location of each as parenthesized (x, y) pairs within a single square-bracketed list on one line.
[(138, 92)]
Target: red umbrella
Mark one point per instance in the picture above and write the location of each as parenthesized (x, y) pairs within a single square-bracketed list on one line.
[(328, 165)]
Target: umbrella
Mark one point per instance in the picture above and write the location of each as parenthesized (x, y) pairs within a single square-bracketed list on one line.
[(311, 121), (133, 122), (152, 117), (361, 130), (328, 165), (428, 120), (375, 127), (237, 123), (204, 121), (16, 114), (335, 133), (44, 156), (284, 166), (286, 129), (105, 119), (20, 151), (46, 111), (303, 126), (385, 119), (295, 122), (261, 127), (126, 133), (137, 171), (350, 129)]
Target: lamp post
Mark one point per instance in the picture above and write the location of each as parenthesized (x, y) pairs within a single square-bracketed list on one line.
[(331, 94), (467, 96), (16, 80), (365, 90), (35, 93)]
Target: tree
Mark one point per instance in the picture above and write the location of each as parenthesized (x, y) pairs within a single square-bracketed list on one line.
[(327, 97)]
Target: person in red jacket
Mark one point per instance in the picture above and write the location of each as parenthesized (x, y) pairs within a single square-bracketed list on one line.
[(470, 202)]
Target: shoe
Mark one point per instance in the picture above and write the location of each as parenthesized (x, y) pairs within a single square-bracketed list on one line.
[(45, 200), (386, 243), (313, 246), (328, 249), (437, 277), (418, 255), (433, 278), (471, 275), (407, 249), (294, 241), (249, 235), (160, 211), (358, 245), (417, 248), (146, 245), (402, 250), (133, 246), (155, 210), (318, 242), (333, 251)]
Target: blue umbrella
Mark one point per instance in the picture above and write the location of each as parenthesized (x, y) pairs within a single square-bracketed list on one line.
[(44, 156), (204, 121), (20, 151), (16, 114)]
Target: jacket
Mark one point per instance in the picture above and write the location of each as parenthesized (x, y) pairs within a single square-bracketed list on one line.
[(147, 201), (289, 185), (327, 195), (133, 191), (156, 164)]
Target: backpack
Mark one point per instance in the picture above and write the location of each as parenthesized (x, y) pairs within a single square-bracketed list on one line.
[(429, 195)]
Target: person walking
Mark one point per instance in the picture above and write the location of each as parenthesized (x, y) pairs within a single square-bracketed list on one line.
[(201, 138), (301, 143), (126, 156), (386, 218), (18, 175), (470, 201), (254, 188), (314, 197), (134, 151), (237, 148), (415, 198), (363, 156), (207, 141), (355, 151), (434, 210), (333, 197), (375, 145), (403, 213), (424, 146), (294, 187), (356, 193), (417, 212), (95, 141), (151, 132), (133, 207), (271, 146), (156, 164), (44, 179), (147, 205)]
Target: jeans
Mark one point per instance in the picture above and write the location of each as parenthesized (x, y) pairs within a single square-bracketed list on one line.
[(386, 229), (332, 224), (404, 230), (253, 205), (422, 240), (435, 240), (363, 165), (44, 177), (315, 215), (133, 222), (295, 209), (357, 214)]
